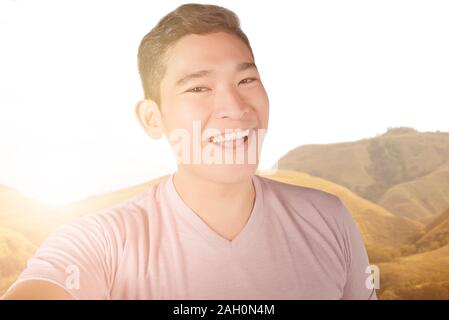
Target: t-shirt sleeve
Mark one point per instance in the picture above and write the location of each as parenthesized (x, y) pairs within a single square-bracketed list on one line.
[(75, 257), (359, 284)]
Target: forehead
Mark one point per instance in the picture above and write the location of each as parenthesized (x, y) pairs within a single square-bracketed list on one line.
[(215, 51)]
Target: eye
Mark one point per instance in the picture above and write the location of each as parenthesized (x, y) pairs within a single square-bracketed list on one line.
[(197, 89), (248, 80)]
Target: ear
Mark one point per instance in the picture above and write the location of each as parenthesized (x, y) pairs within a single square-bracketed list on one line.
[(149, 116)]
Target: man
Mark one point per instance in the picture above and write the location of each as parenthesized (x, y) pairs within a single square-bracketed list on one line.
[(213, 229)]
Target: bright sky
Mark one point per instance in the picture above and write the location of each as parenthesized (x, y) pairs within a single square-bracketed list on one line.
[(334, 71)]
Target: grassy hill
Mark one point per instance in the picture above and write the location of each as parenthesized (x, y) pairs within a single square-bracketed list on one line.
[(436, 233), (404, 170), (419, 276), (422, 198)]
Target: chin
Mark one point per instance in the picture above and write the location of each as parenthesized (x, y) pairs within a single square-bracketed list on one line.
[(231, 173)]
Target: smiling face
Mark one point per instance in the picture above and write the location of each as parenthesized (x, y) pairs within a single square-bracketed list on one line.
[(211, 82)]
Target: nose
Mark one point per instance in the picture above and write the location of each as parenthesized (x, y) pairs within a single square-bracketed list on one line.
[(231, 104)]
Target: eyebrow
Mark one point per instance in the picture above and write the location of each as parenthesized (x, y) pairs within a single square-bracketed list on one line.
[(202, 73)]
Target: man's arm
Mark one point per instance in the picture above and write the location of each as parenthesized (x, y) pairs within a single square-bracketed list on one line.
[(72, 263), (36, 290), (356, 287)]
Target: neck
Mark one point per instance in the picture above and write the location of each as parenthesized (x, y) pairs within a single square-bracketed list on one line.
[(225, 207)]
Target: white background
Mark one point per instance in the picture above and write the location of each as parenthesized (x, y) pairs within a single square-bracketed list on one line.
[(334, 71)]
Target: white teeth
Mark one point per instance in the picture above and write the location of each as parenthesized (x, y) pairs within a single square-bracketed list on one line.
[(230, 136)]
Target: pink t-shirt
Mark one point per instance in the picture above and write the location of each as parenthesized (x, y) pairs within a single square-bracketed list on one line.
[(299, 243)]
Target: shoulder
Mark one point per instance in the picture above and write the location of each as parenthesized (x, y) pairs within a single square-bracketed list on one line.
[(119, 221), (297, 193), (307, 202)]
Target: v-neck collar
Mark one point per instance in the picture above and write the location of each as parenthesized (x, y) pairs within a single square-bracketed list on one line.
[(244, 236)]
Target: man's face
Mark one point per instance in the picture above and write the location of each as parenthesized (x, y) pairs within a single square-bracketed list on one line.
[(228, 96)]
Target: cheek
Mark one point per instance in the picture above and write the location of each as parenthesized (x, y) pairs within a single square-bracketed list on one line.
[(196, 107), (187, 113), (259, 100)]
